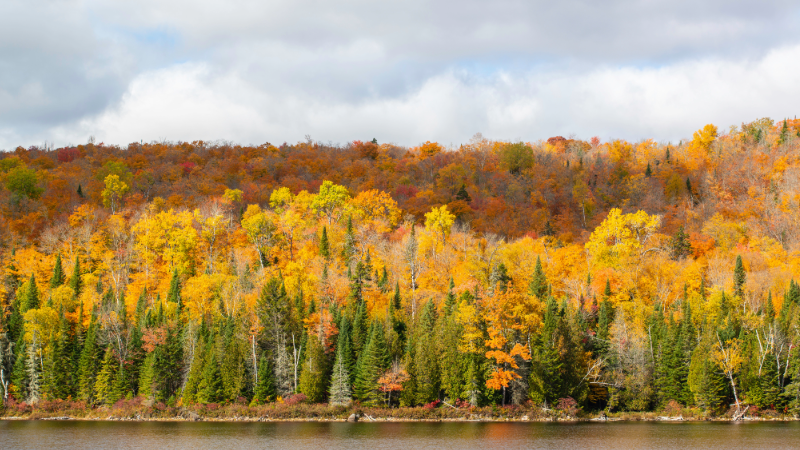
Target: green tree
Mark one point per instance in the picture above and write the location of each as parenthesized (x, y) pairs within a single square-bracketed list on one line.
[(23, 182), (739, 278), (314, 376), (265, 390)]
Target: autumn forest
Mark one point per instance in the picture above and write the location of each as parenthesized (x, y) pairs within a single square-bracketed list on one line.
[(563, 274)]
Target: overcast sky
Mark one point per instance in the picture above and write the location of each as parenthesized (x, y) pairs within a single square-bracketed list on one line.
[(255, 71)]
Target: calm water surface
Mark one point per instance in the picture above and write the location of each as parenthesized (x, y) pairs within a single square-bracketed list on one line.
[(318, 436)]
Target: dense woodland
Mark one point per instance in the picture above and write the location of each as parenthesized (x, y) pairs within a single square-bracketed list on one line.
[(609, 276)]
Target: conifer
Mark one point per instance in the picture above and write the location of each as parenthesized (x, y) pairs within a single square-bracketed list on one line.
[(739, 278), (265, 390), (58, 273), (538, 285), (324, 245)]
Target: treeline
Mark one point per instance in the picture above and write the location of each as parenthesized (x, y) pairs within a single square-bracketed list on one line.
[(616, 276)]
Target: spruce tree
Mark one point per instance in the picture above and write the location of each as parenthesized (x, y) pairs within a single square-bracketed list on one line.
[(264, 390), (174, 294), (147, 377), (88, 365), (19, 373), (739, 278), (314, 376), (539, 285), (427, 361), (371, 365), (31, 299), (58, 273), (104, 384), (324, 245), (210, 390), (648, 172), (75, 279), (340, 393)]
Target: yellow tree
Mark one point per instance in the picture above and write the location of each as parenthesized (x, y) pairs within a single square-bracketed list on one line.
[(114, 191)]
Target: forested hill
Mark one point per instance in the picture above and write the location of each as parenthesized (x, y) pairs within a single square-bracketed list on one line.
[(616, 275)]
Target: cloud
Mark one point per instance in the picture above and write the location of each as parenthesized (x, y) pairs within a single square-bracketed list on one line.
[(252, 71), (196, 102)]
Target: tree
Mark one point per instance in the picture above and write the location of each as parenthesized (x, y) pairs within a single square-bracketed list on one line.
[(114, 191), (539, 285), (23, 182), (330, 198), (739, 278), (340, 393), (58, 273), (324, 245), (264, 390), (681, 247), (314, 376)]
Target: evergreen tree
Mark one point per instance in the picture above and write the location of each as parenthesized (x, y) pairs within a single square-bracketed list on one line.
[(739, 278), (681, 247), (33, 374), (784, 133), (88, 365), (147, 377), (704, 380), (31, 296), (58, 273), (462, 194), (75, 279), (265, 390), (371, 365), (314, 376), (19, 373), (648, 172), (340, 393), (539, 285), (174, 294), (427, 362), (210, 389), (104, 386), (324, 245)]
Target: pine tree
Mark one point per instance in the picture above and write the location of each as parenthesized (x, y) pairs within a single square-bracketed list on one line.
[(88, 365), (371, 365), (210, 390), (324, 245), (174, 294), (80, 191), (75, 279), (539, 285), (58, 273), (19, 374), (33, 373), (264, 390), (314, 376), (704, 380), (681, 247), (147, 377), (648, 172), (104, 385), (31, 299), (739, 278), (427, 362), (340, 393), (784, 133), (462, 194)]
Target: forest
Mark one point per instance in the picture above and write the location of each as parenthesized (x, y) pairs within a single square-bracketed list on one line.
[(586, 275)]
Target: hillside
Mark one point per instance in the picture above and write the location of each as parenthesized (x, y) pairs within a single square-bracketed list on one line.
[(618, 276)]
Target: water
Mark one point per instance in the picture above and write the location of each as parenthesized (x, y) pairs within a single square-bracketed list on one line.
[(320, 435)]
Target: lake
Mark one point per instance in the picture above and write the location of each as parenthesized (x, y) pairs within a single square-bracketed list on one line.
[(53, 435)]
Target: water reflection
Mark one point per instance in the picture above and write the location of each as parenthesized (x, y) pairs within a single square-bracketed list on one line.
[(405, 436)]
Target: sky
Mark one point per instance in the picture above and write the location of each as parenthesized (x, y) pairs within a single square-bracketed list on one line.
[(256, 71)]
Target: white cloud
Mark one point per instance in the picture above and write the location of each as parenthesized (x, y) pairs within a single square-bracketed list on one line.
[(251, 71), (191, 101)]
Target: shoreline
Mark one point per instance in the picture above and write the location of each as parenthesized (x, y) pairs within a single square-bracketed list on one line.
[(566, 420)]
